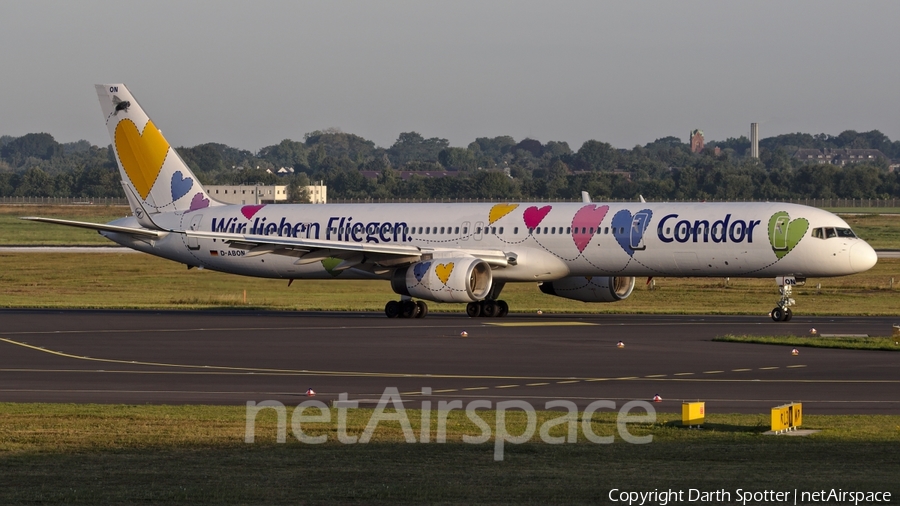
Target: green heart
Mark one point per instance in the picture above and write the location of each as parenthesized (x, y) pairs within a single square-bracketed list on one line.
[(330, 263), (785, 233)]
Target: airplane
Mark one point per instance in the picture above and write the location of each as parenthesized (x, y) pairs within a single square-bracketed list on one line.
[(462, 252)]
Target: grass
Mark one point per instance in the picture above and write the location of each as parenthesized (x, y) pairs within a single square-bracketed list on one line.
[(93, 454), (133, 280), (841, 342), (14, 231), (140, 281)]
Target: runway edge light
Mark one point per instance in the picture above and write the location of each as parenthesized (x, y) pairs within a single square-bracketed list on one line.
[(657, 398), (693, 413), (310, 392)]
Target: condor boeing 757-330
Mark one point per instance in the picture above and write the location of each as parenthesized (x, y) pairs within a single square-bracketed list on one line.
[(465, 252)]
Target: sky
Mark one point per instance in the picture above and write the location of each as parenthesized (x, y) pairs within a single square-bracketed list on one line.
[(249, 74)]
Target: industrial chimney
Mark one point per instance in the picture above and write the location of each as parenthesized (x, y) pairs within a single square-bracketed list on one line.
[(754, 140)]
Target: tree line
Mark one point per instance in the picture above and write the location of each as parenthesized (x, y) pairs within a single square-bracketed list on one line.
[(36, 165)]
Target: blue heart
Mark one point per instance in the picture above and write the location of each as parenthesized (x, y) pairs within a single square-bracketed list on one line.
[(629, 229), (180, 185), (420, 269)]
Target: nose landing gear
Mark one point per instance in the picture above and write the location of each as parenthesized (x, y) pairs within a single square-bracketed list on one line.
[(782, 312)]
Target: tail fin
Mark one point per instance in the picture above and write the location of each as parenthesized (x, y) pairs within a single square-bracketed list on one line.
[(151, 170)]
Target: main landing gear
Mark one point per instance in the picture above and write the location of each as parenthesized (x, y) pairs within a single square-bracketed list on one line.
[(487, 308), (782, 312), (406, 309)]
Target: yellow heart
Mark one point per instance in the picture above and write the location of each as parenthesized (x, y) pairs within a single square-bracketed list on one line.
[(142, 155), (443, 271), (499, 211)]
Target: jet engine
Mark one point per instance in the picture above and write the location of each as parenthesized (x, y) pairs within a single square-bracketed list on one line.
[(463, 279), (590, 288)]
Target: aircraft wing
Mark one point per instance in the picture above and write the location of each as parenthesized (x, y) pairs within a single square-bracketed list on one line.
[(140, 232), (313, 250)]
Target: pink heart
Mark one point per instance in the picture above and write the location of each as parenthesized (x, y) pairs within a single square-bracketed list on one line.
[(534, 216), (198, 202), (249, 211), (588, 217)]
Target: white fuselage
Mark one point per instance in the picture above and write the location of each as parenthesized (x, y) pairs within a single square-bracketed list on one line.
[(548, 241)]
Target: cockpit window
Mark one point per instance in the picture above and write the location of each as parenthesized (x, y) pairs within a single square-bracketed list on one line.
[(829, 232), (845, 232)]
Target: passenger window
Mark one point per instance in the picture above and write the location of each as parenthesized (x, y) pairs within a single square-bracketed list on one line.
[(568, 230), (516, 230), (465, 230), (553, 230), (494, 230), (537, 230), (442, 230), (501, 230), (592, 230), (456, 231), (545, 230)]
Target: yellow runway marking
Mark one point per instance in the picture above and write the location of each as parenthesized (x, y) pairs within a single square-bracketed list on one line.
[(541, 324), (475, 388), (795, 366), (536, 384), (627, 378), (507, 386), (767, 368), (444, 391), (713, 372), (303, 372), (567, 382), (683, 373), (741, 370), (656, 376)]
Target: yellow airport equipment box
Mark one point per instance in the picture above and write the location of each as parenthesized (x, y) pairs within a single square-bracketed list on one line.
[(787, 417), (693, 413)]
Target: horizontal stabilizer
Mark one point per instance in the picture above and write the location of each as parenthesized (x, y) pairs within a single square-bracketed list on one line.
[(140, 232)]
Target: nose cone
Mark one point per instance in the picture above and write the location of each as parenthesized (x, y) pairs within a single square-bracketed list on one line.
[(862, 257)]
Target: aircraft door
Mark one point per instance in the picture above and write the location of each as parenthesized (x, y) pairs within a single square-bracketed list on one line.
[(638, 226), (779, 235), (193, 242), (479, 230), (464, 231)]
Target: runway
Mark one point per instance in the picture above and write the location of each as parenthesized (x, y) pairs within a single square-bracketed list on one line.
[(231, 357)]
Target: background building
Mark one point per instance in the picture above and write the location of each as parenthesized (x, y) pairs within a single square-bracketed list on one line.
[(263, 194), (696, 141)]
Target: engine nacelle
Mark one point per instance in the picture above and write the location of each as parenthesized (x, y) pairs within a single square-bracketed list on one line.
[(590, 288), (463, 279)]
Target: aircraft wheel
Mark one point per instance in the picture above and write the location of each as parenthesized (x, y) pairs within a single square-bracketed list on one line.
[(488, 308), (423, 309), (778, 314), (788, 314), (408, 309), (392, 309), (473, 309), (502, 308)]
